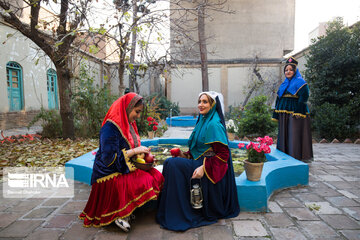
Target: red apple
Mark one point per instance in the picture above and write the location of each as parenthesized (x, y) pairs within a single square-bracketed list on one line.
[(149, 158), (175, 152)]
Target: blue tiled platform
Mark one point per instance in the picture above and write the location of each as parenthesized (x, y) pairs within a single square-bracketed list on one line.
[(280, 171), (181, 121)]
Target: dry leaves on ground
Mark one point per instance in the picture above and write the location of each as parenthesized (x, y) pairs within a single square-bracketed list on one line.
[(45, 152)]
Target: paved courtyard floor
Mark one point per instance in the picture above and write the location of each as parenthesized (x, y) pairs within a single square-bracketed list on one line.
[(329, 208)]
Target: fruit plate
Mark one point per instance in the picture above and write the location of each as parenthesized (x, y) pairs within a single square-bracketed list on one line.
[(143, 166)]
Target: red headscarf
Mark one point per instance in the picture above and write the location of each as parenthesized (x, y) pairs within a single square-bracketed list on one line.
[(118, 114)]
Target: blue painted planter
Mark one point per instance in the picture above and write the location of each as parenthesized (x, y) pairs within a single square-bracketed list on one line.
[(181, 121), (280, 171)]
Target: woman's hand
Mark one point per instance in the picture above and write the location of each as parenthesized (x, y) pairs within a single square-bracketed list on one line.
[(141, 149), (182, 155), (137, 150), (198, 173)]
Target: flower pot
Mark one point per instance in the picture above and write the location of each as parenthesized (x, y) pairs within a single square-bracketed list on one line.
[(151, 134), (231, 136), (253, 170)]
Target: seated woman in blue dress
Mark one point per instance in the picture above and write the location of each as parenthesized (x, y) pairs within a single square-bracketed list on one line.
[(208, 159), (118, 188)]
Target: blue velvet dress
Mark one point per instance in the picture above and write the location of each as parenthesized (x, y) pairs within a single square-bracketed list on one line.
[(220, 199)]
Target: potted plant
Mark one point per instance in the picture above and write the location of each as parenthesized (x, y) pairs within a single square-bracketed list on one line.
[(231, 129), (151, 127), (256, 157)]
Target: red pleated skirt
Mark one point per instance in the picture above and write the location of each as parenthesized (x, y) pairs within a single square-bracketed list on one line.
[(119, 195)]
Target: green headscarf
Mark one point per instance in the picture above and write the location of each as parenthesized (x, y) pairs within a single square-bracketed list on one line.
[(208, 129)]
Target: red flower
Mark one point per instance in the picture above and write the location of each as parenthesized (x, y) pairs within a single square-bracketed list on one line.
[(241, 145), (256, 151), (155, 123), (155, 128), (149, 119)]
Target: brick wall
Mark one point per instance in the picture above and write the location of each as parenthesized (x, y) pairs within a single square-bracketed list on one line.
[(11, 120)]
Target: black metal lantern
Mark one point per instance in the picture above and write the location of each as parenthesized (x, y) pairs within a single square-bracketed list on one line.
[(196, 197)]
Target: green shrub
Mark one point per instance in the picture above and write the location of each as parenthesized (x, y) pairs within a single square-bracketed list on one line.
[(335, 81), (332, 121), (50, 122), (89, 104), (256, 118), (164, 105)]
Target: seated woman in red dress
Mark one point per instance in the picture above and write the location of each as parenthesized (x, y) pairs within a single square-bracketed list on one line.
[(118, 188)]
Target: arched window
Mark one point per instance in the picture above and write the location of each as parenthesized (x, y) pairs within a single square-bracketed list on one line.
[(52, 89), (14, 86)]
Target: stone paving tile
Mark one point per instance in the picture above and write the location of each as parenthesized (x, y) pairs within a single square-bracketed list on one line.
[(61, 221), (8, 202), (351, 179), (44, 234), (20, 229), (301, 214), (340, 222), (326, 192), (351, 234), (216, 232), (103, 235), (347, 194), (317, 229), (3, 208), (316, 185), (278, 220), (78, 232), (25, 206), (188, 235), (248, 216), (73, 207), (342, 201), (341, 184), (288, 202), (274, 207), (82, 195), (354, 212), (291, 233), (325, 208), (282, 194), (330, 178), (249, 228), (309, 197), (153, 231), (39, 213), (55, 201), (7, 218)]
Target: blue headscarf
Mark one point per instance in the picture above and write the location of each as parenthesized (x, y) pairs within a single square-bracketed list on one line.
[(292, 85), (210, 128)]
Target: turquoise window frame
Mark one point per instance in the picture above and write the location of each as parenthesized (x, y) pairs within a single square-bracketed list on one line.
[(15, 95)]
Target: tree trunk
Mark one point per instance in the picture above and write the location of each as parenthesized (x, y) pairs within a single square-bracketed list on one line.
[(256, 71), (203, 50), (132, 79), (121, 71), (67, 117)]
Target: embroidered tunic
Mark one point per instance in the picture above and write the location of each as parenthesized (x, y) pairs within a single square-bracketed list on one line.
[(118, 188), (293, 116)]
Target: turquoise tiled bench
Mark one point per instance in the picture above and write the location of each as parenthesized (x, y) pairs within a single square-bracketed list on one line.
[(280, 171)]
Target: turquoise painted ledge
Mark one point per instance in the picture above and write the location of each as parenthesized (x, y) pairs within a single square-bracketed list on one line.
[(279, 172), (182, 121)]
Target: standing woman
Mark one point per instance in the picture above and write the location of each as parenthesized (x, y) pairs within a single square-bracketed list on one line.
[(208, 159), (292, 113), (118, 188)]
